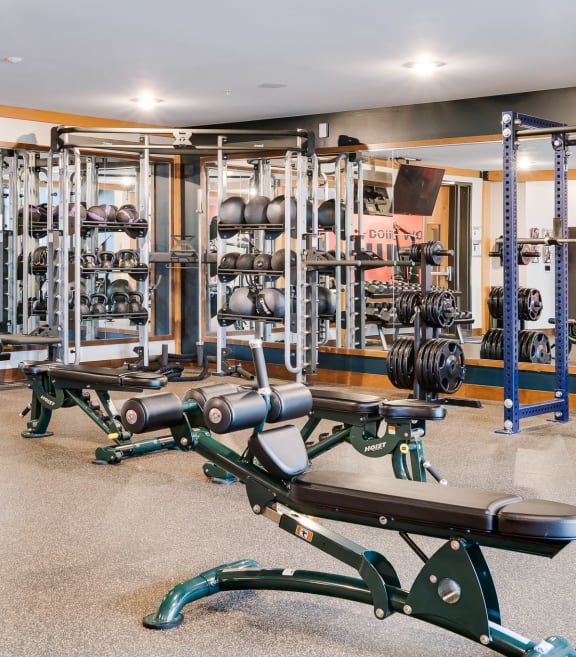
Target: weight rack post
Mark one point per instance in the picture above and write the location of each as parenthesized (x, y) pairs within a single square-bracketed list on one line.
[(514, 127)]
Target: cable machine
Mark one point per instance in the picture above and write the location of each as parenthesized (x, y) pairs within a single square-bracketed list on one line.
[(516, 127)]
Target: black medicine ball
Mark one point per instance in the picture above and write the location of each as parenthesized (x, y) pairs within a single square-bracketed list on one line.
[(232, 210), (327, 213), (255, 210), (276, 210)]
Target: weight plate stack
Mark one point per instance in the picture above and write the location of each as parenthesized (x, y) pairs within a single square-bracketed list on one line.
[(529, 304), (405, 305), (492, 346), (432, 253), (400, 363), (440, 366), (438, 309), (496, 302), (534, 347)]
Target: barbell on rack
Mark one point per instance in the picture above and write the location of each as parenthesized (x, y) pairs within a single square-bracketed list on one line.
[(433, 252)]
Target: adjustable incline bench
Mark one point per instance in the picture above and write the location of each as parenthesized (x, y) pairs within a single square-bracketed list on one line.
[(49, 342), (359, 417), (453, 590), (55, 385)]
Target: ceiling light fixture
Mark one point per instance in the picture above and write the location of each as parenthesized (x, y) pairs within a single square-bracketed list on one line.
[(272, 85), (12, 60), (146, 102), (424, 66)]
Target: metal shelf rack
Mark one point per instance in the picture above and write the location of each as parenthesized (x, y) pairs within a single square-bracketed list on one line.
[(516, 127)]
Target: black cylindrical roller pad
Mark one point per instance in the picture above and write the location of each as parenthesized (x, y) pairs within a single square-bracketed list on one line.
[(141, 414), (241, 410), (289, 401)]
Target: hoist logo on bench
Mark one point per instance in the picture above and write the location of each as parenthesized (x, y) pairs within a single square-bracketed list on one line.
[(375, 447), (47, 400)]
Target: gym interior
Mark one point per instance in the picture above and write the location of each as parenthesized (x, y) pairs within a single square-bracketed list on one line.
[(356, 323)]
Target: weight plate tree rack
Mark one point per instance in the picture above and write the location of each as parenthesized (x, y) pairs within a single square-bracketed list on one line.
[(516, 127)]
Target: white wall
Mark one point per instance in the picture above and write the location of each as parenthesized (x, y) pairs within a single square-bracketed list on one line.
[(535, 210), (24, 132)]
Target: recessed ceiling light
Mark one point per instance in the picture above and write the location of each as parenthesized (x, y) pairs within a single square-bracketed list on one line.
[(146, 102), (424, 66), (12, 60), (272, 85)]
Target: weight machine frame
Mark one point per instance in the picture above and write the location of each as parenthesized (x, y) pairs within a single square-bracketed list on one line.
[(516, 126)]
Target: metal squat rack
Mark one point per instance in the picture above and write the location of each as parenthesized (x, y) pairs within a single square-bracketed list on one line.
[(516, 127)]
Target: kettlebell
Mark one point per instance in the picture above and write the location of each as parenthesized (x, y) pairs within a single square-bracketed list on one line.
[(106, 259), (88, 264), (135, 302), (126, 259), (84, 305), (136, 309), (98, 303), (119, 303)]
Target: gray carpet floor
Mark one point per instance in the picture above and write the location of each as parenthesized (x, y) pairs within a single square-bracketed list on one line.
[(86, 551)]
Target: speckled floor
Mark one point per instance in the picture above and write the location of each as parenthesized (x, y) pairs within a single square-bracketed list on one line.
[(86, 550)]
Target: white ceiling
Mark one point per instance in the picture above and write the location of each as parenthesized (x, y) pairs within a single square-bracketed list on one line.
[(207, 59)]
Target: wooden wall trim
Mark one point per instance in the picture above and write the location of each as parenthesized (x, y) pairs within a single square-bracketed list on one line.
[(60, 118)]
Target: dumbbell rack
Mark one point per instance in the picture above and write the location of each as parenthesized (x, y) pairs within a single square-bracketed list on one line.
[(23, 252), (69, 239)]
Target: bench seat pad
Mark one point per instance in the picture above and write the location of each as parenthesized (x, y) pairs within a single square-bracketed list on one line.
[(435, 506), (93, 376)]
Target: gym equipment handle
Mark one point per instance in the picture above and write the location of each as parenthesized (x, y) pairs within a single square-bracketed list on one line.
[(260, 365)]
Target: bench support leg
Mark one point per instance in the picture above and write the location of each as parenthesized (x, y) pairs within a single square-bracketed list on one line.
[(454, 589)]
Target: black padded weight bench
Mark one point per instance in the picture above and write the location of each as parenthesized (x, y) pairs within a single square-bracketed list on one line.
[(375, 427), (55, 386), (20, 340), (453, 590)]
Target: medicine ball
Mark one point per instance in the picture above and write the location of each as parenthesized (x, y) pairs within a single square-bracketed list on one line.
[(96, 213), (228, 261), (126, 214), (245, 262), (327, 213), (232, 210), (111, 211), (326, 301), (262, 262), (276, 210), (255, 210), (242, 301), (270, 302), (277, 260)]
